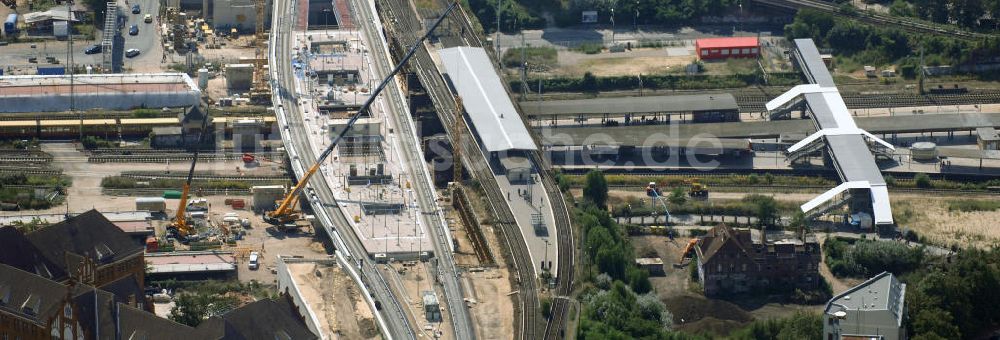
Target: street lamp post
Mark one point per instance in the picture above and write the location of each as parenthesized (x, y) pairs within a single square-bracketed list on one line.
[(612, 26), (635, 19)]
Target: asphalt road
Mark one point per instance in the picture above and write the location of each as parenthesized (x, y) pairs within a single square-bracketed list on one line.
[(147, 41), (391, 311)]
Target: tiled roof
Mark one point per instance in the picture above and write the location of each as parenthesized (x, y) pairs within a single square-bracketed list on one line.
[(89, 234), (17, 251)]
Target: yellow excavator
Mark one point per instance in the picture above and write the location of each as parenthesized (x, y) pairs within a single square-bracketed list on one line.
[(285, 211)]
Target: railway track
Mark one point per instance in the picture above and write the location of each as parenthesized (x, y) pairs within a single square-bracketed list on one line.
[(29, 171), (157, 192), (208, 177), (151, 151), (403, 27), (161, 158), (766, 188), (556, 326), (755, 103)]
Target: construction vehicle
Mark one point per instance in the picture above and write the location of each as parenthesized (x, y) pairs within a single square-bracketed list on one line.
[(285, 214), (697, 190), (653, 191), (180, 226), (687, 250)]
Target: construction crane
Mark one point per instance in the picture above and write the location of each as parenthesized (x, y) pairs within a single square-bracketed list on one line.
[(260, 91), (285, 211), (653, 191), (180, 225)]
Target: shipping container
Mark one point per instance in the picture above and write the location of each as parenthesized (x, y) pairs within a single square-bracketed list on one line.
[(51, 71), (10, 25), (172, 194)]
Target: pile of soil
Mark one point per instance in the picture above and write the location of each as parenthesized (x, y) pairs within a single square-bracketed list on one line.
[(698, 314)]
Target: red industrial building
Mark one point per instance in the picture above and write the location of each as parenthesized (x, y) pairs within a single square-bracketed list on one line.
[(722, 48)]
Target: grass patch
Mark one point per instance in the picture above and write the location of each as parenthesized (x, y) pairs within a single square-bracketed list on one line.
[(589, 48), (968, 205), (86, 30), (538, 58)]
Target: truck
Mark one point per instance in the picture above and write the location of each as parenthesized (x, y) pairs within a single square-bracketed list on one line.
[(10, 25)]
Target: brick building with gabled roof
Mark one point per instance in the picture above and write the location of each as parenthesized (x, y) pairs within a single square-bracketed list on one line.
[(83, 278), (90, 247), (733, 261)]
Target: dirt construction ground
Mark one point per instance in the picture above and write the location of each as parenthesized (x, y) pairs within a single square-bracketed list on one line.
[(692, 311), (340, 309)]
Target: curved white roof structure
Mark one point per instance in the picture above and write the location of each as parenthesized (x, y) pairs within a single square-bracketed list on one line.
[(848, 148), (493, 116)]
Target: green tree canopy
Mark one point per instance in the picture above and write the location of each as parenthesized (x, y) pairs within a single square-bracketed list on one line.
[(595, 189)]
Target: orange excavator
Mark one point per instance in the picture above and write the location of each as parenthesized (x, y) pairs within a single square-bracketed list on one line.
[(285, 211), (687, 250)]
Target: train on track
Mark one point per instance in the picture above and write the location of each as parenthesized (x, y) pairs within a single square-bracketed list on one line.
[(108, 127)]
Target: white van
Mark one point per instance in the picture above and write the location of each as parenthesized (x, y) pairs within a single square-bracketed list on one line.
[(254, 261)]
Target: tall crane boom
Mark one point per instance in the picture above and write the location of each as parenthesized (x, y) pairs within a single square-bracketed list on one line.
[(284, 213), (180, 224)]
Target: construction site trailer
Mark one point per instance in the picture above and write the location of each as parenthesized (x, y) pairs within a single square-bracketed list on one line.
[(151, 204)]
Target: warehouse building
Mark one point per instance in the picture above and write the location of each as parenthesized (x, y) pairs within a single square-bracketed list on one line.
[(36, 93), (725, 48)]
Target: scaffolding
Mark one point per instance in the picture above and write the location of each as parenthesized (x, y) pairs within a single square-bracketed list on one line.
[(260, 90), (108, 37)]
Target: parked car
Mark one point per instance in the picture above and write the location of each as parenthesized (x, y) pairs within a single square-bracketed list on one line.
[(133, 30), (147, 19), (132, 52), (93, 49), (254, 262), (135, 9)]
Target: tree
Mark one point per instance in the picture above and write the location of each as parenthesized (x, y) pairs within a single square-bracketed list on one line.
[(595, 189), (677, 196), (589, 82), (967, 12), (798, 221), (764, 208), (638, 280), (546, 307), (935, 324), (922, 180), (190, 309)]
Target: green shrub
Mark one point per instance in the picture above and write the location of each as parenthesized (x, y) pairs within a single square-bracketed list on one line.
[(969, 205), (922, 180), (866, 258), (589, 48)]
